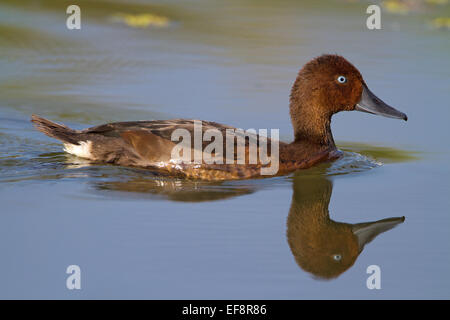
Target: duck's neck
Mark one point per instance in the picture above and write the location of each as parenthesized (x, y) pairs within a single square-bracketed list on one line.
[(312, 128)]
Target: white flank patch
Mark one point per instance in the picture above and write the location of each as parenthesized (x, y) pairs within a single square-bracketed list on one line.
[(83, 150)]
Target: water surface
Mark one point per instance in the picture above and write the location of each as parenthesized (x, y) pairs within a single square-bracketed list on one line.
[(137, 235)]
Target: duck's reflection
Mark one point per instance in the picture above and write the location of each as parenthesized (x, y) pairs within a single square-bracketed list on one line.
[(321, 246), (140, 183), (176, 190)]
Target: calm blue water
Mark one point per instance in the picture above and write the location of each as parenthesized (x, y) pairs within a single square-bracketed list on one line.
[(135, 236)]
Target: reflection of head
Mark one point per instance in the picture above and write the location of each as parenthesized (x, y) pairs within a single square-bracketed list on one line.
[(320, 245)]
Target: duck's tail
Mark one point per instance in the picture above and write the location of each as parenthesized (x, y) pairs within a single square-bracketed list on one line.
[(55, 130)]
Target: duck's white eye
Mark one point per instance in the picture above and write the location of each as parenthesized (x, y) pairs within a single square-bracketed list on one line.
[(337, 257), (342, 79)]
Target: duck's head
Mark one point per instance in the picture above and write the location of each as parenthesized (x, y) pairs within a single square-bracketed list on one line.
[(324, 86)]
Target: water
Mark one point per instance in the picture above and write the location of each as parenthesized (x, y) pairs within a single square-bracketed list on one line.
[(136, 235)]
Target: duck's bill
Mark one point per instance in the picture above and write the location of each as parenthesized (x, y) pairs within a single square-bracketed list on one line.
[(372, 104)]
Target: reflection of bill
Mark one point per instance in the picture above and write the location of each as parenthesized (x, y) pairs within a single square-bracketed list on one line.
[(321, 246), (232, 146)]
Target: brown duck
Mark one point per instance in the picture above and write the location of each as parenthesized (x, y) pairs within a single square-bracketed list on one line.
[(324, 86)]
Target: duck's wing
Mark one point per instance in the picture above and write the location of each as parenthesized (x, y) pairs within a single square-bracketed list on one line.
[(152, 142), (164, 129), (161, 128), (154, 138)]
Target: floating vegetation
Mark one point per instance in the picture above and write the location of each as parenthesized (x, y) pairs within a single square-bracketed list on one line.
[(437, 2), (380, 154), (397, 7), (143, 20), (404, 7), (441, 23)]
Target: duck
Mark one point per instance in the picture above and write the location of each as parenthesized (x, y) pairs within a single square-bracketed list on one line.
[(321, 246), (324, 86)]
